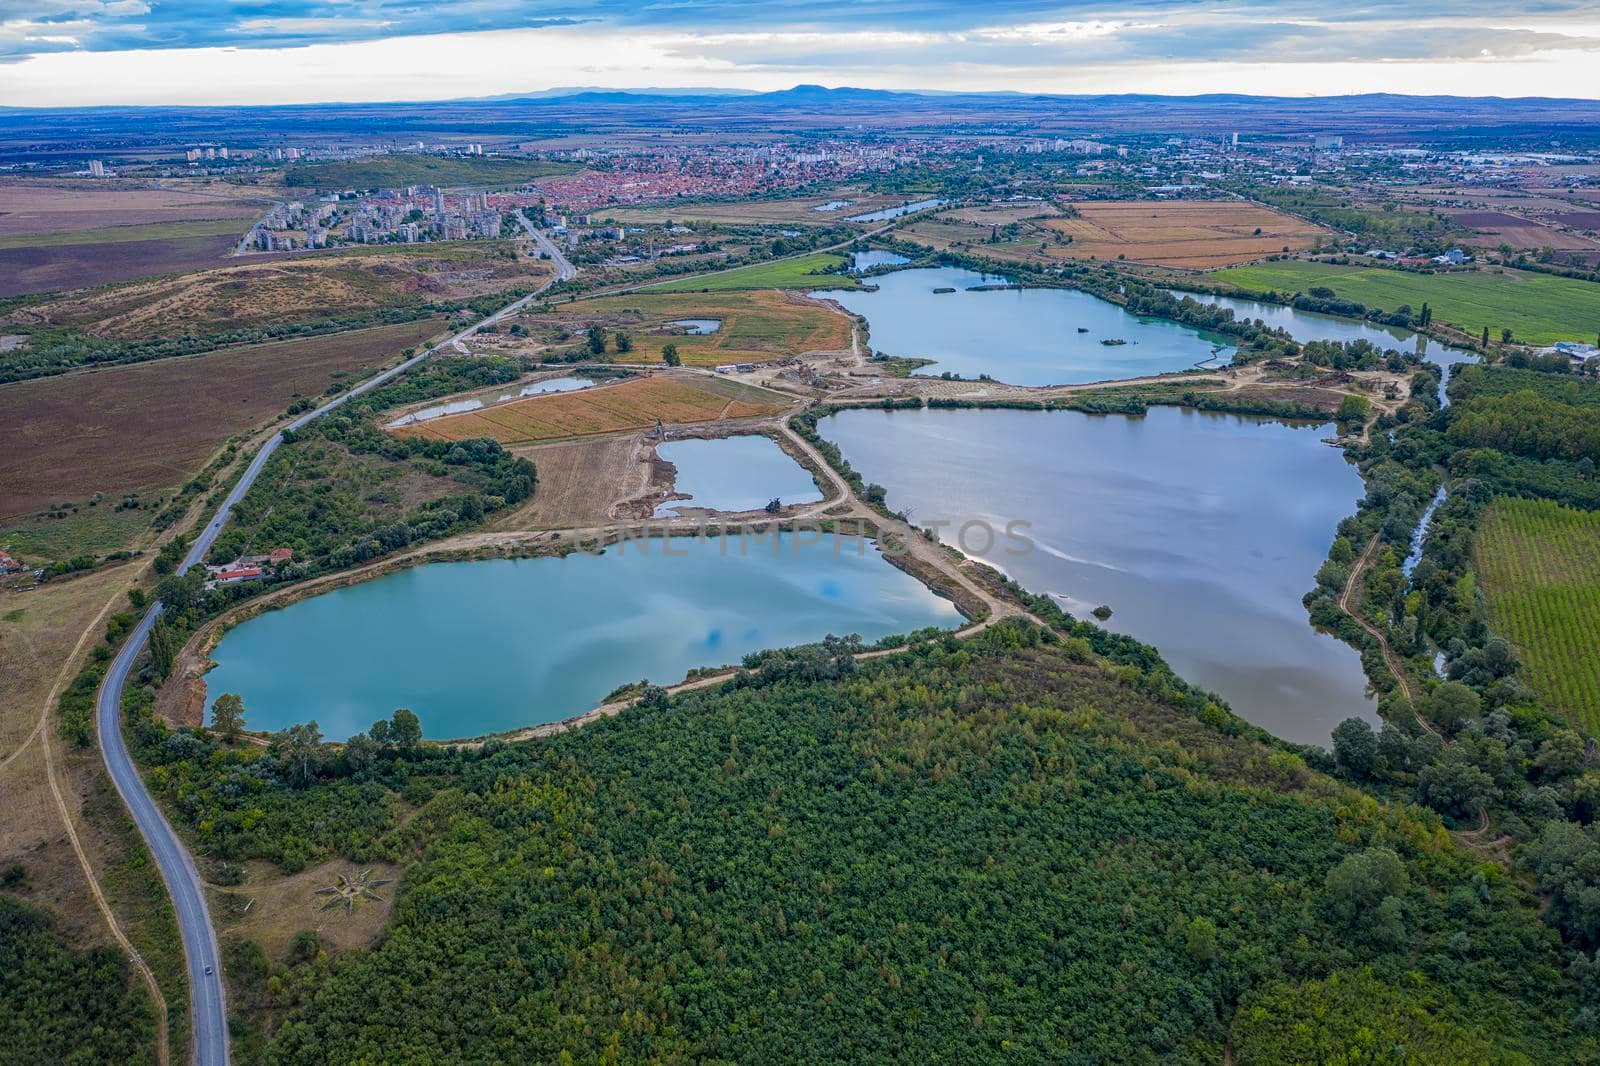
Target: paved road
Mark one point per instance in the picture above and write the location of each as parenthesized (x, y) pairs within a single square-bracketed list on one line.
[(207, 1008), (565, 271)]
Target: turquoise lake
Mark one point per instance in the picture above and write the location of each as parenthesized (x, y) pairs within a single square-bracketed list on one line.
[(1019, 336), (735, 474), (483, 647), (1201, 532)]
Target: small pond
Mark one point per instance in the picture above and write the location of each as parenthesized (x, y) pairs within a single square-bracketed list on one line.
[(549, 385), (698, 327), (454, 407), (895, 212), (735, 474), (874, 257)]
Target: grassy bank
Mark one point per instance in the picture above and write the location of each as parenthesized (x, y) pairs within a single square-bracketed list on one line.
[(803, 272), (1537, 308)]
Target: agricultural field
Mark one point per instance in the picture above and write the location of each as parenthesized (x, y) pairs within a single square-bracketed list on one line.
[(48, 210), (73, 234), (1492, 229), (152, 231), (41, 268), (1001, 213), (1537, 308), (1539, 563), (1189, 234), (800, 211), (802, 272), (944, 233), (148, 426), (396, 170), (633, 404), (756, 327), (290, 291)]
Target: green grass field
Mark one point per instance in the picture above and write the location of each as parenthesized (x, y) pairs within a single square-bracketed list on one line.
[(95, 530), (798, 273), (1538, 308), (155, 231), (1540, 567), (394, 170)]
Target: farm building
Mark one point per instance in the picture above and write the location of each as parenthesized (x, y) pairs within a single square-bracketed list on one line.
[(1576, 351)]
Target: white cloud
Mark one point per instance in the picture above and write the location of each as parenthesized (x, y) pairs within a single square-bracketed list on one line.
[(269, 27), (509, 61), (1059, 32)]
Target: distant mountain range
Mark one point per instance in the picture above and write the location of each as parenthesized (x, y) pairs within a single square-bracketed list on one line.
[(1563, 123), (809, 95)]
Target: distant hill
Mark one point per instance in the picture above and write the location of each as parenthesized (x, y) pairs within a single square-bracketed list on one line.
[(1445, 120)]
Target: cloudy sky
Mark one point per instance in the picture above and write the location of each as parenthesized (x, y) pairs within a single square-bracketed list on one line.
[(73, 52)]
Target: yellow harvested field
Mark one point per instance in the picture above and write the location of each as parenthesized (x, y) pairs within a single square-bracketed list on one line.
[(1193, 234), (632, 404)]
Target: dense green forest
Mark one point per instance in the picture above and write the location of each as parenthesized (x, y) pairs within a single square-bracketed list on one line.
[(61, 1005), (999, 846)]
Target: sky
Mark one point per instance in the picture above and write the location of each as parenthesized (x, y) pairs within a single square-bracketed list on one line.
[(56, 53)]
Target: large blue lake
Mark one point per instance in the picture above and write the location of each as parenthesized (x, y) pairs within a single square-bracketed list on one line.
[(484, 647), (1202, 532), (1020, 336)]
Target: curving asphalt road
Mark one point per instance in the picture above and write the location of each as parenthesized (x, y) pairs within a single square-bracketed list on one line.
[(207, 1006)]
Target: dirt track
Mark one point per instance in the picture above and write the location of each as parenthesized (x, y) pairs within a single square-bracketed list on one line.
[(1350, 604)]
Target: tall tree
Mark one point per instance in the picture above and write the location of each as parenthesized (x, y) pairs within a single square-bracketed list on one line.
[(227, 716), (405, 729), (300, 749)]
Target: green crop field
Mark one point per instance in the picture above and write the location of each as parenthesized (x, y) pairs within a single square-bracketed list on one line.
[(1537, 308), (1540, 567), (799, 273), (393, 170)]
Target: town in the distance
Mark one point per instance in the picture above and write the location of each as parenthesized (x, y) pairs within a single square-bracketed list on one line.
[(800, 575)]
